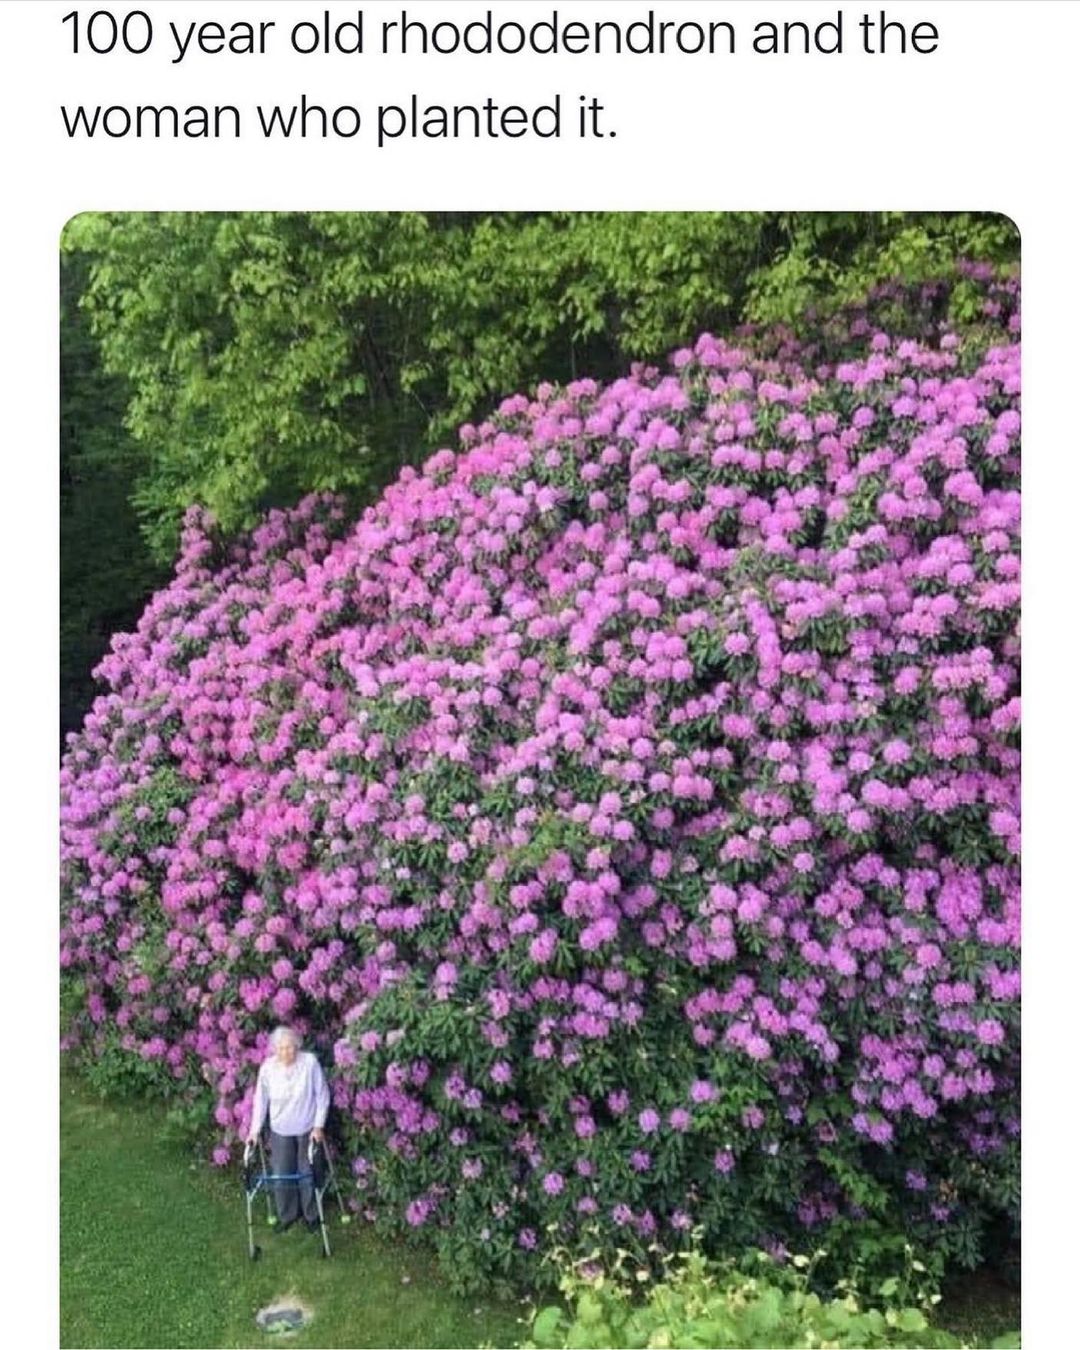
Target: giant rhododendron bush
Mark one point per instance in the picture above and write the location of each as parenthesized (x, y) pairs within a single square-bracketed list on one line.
[(626, 805)]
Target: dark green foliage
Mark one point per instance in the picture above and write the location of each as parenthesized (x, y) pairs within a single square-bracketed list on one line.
[(106, 571)]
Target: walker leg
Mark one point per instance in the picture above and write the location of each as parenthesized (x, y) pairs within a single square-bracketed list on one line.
[(253, 1251), (270, 1218), (334, 1181), (322, 1223)]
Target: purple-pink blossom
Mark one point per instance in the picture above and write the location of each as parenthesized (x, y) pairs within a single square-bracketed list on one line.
[(666, 723)]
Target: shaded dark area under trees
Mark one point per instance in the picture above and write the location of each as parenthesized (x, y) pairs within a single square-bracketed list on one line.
[(106, 569)]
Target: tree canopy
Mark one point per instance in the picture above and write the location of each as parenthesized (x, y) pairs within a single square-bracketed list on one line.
[(271, 354)]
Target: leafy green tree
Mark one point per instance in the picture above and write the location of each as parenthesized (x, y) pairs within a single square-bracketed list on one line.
[(269, 354), (830, 259)]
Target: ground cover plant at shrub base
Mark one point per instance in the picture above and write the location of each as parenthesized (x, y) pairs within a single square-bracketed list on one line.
[(627, 806), (753, 1300)]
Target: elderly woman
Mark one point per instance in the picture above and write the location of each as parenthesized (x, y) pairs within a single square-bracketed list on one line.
[(292, 1088)]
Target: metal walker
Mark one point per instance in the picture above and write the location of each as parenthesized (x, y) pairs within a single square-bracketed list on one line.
[(321, 1166)]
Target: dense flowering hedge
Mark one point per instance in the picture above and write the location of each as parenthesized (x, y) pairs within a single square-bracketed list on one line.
[(627, 804)]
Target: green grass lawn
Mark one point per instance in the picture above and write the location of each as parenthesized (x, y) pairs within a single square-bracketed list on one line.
[(153, 1252)]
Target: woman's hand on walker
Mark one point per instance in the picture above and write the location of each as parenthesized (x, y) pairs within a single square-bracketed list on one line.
[(317, 1134)]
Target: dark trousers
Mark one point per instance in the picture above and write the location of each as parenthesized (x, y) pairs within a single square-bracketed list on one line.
[(289, 1153)]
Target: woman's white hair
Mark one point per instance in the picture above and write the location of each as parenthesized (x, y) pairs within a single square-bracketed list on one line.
[(280, 1034)]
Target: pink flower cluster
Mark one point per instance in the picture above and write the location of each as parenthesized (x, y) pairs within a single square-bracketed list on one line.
[(628, 803)]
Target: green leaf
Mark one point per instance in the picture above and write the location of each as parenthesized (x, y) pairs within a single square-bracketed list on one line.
[(547, 1326), (589, 1309)]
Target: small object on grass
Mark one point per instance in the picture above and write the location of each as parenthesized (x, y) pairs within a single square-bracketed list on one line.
[(272, 1220), (284, 1315), (346, 1219)]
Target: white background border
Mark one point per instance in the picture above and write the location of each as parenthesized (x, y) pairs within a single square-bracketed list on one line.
[(987, 122)]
